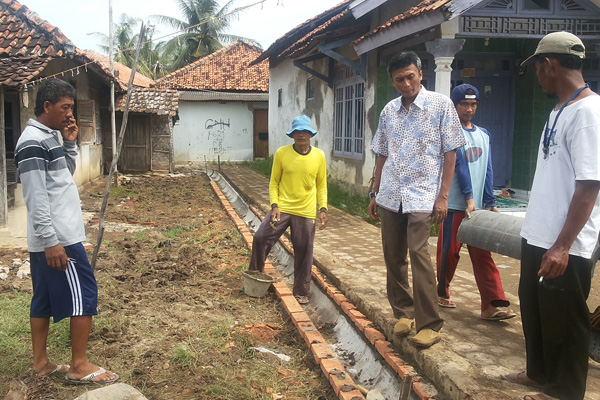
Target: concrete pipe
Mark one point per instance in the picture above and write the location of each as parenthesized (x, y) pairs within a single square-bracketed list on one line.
[(495, 232)]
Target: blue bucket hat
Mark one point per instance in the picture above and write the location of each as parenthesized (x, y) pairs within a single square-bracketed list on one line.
[(460, 93), (301, 123)]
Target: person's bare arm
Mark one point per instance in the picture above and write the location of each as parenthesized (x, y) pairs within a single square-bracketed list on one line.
[(555, 260), (378, 168), (56, 257), (440, 207)]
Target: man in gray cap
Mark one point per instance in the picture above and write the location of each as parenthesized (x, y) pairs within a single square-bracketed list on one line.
[(298, 184), (561, 226)]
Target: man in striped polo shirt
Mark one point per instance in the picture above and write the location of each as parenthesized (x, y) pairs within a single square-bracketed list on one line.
[(63, 281)]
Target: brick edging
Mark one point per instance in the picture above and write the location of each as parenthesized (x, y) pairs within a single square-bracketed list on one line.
[(423, 390), (334, 371)]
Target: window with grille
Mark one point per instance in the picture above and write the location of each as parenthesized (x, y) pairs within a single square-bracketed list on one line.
[(310, 90), (348, 138)]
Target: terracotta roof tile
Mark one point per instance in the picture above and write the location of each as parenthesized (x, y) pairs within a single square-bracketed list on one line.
[(122, 72), (24, 32), (314, 35), (302, 35), (15, 71), (28, 42), (227, 69), (151, 100), (421, 8)]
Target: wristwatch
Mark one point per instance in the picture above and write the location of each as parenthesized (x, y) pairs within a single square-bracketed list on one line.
[(372, 194)]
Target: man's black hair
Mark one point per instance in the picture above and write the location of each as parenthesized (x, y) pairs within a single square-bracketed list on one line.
[(403, 60), (567, 61), (52, 90)]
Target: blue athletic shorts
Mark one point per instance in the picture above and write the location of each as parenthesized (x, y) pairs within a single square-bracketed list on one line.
[(63, 294)]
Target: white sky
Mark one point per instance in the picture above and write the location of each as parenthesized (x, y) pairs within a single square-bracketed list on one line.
[(264, 23)]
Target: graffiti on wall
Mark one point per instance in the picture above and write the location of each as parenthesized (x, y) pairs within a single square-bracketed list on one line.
[(217, 128)]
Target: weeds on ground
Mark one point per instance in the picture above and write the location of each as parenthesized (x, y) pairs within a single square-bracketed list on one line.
[(263, 166), (15, 335), (174, 321), (176, 231), (121, 191)]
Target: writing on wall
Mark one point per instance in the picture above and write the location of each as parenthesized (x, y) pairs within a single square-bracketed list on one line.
[(217, 130)]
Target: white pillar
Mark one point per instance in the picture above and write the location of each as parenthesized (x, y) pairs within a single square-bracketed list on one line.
[(443, 51)]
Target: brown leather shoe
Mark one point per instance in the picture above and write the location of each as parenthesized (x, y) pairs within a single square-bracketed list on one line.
[(403, 326), (426, 338)]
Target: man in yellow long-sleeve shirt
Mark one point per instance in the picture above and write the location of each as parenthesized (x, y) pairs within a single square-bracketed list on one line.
[(298, 184)]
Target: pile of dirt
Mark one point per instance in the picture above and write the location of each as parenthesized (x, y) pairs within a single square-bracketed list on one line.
[(173, 319)]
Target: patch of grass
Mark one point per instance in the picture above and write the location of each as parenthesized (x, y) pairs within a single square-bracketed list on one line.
[(176, 231), (15, 347), (122, 191), (263, 166), (140, 267), (183, 355), (15, 335), (353, 204), (141, 235)]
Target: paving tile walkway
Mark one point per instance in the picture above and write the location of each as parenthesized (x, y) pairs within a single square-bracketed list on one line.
[(473, 353)]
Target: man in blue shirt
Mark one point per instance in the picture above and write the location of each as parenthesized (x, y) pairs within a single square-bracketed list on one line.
[(472, 189)]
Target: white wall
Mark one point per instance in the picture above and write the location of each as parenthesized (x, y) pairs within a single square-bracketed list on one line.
[(212, 129), (292, 81)]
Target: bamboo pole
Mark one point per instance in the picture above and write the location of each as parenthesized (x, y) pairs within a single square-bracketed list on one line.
[(115, 160), (3, 161), (113, 124)]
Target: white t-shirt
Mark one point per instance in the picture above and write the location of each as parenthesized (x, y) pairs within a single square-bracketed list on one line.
[(574, 154)]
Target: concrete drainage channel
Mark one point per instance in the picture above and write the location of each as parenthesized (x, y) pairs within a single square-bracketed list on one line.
[(368, 358)]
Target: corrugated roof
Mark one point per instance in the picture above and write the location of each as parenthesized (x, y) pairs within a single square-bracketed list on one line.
[(227, 69), (158, 101), (27, 43), (421, 8)]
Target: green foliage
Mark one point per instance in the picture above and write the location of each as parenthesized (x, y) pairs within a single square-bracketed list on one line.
[(15, 334), (121, 191), (353, 204), (184, 356), (176, 231), (263, 166), (201, 31)]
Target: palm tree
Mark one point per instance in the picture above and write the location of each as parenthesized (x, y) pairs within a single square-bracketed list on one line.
[(202, 31), (124, 38), (125, 41)]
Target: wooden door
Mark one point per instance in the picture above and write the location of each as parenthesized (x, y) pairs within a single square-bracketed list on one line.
[(261, 133), (135, 155)]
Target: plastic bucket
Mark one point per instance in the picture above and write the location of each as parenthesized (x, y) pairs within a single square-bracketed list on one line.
[(256, 283)]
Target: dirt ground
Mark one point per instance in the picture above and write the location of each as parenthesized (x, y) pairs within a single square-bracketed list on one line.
[(173, 319)]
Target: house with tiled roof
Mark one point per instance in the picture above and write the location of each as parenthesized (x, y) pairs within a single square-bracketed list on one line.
[(148, 143), (223, 106), (333, 69), (32, 49)]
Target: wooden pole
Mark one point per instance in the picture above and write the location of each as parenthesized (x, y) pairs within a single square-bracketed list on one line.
[(3, 185), (113, 124), (115, 160)]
